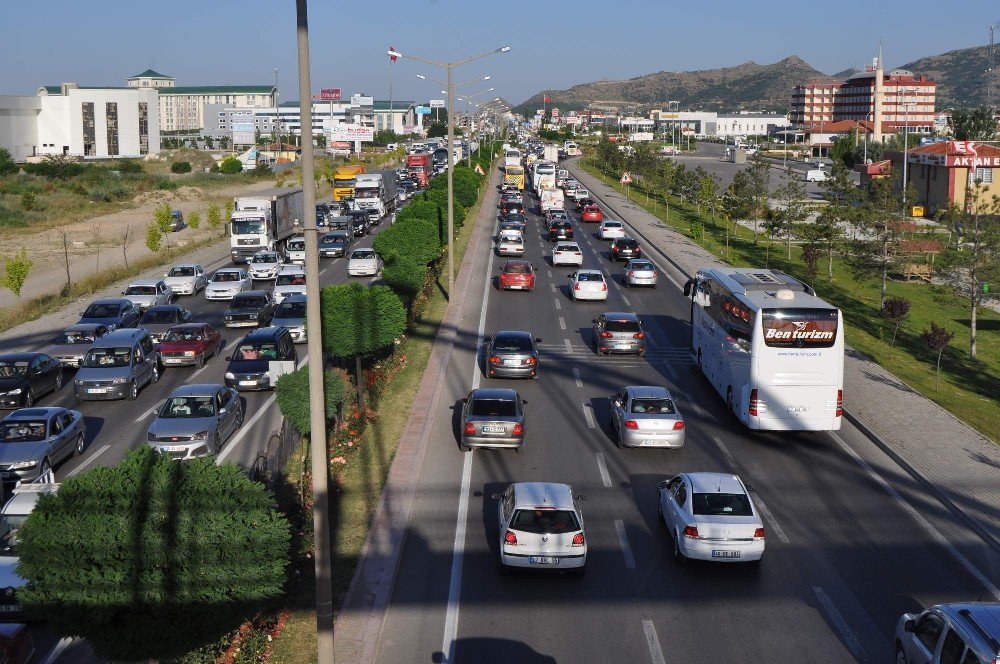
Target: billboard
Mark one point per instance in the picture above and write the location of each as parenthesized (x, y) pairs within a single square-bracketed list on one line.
[(361, 100), (352, 132), (422, 110), (241, 124), (330, 94), (437, 103)]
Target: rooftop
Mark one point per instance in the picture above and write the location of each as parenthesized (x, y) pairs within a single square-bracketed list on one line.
[(218, 90), (149, 73)]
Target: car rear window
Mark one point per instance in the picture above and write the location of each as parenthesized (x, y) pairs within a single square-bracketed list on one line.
[(653, 406), (627, 244), (512, 343), (721, 504), (363, 254), (545, 521), (612, 325), (590, 276), (612, 224), (493, 408), (641, 266), (517, 268)]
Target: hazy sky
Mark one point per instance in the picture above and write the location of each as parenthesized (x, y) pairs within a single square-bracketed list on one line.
[(554, 44)]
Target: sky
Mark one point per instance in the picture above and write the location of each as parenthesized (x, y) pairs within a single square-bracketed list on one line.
[(554, 45)]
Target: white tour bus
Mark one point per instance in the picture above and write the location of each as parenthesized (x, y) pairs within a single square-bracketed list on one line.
[(772, 349)]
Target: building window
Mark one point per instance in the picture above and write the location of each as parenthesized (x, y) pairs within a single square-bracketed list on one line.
[(111, 115), (984, 175), (89, 132), (143, 128)]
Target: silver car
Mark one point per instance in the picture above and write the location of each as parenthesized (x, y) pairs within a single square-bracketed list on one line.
[(639, 272), (493, 418), (227, 283), (32, 440), (618, 332), (264, 265), (195, 421), (291, 314), (147, 293), (364, 263), (159, 319), (72, 344), (186, 279), (646, 416)]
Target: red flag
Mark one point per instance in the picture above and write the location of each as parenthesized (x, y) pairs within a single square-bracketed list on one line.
[(393, 57), (547, 100)]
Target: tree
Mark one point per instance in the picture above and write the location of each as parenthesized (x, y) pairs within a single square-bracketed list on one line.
[(973, 124), (214, 217), (810, 257), (15, 271), (292, 395), (229, 210), (62, 253), (119, 553), (154, 238), (209, 143), (791, 196), (231, 166), (358, 321), (128, 237), (29, 201), (759, 172), (162, 219), (937, 340), (895, 310), (842, 198), (438, 130), (871, 252), (224, 143), (7, 165), (180, 167)]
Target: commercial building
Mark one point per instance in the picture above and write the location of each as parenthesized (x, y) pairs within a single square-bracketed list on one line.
[(941, 174), (712, 124)]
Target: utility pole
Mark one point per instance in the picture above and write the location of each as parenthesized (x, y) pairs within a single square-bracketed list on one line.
[(991, 79), (314, 323)]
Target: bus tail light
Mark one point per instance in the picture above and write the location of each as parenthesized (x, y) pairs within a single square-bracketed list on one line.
[(753, 402), (840, 403)]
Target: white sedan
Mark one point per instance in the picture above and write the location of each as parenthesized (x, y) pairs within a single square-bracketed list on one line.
[(265, 265), (567, 253), (511, 245), (226, 283), (364, 263), (588, 285), (710, 516), (186, 279), (611, 229)]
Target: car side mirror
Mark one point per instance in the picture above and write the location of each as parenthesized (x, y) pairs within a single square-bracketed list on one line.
[(495, 495), (123, 292), (164, 274), (229, 358), (538, 340), (910, 626), (464, 399), (222, 411)]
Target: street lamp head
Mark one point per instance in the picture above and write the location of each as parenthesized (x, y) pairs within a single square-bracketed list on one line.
[(421, 77), (503, 49), (486, 78), (394, 54)]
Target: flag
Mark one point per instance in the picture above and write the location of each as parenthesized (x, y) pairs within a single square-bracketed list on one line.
[(393, 57), (547, 100)]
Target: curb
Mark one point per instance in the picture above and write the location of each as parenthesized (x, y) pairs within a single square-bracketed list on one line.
[(924, 483)]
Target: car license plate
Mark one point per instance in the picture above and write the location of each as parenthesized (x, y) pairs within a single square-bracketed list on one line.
[(511, 363), (491, 429), (171, 360), (516, 287), (97, 390), (542, 560), (621, 346), (10, 608), (174, 448), (725, 554), (248, 382)]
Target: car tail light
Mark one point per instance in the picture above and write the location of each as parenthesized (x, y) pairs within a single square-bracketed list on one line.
[(495, 359), (615, 248), (578, 539), (753, 402), (631, 274), (470, 429), (604, 287), (840, 403), (631, 424), (576, 286), (518, 430), (531, 361), (638, 250), (510, 538), (678, 425), (758, 534), (606, 335), (639, 335), (691, 531)]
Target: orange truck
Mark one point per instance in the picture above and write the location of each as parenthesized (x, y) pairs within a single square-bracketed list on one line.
[(344, 179), (418, 166)]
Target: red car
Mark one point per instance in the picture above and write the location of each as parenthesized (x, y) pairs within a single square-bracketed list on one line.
[(517, 275), (592, 213), (189, 344), (17, 646)]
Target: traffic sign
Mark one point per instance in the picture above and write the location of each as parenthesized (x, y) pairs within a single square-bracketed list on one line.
[(626, 178)]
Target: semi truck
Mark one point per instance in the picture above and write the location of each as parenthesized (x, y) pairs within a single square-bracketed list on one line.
[(552, 199), (376, 192), (264, 221), (418, 166), (551, 153), (343, 180)]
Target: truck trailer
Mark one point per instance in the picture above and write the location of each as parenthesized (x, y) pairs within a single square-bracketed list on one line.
[(264, 221)]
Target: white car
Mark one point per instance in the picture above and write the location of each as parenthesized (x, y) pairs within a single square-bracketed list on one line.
[(610, 229), (509, 231), (295, 250), (264, 265), (186, 279), (588, 285), (541, 528), (817, 175), (290, 281), (639, 272), (710, 516), (579, 193), (567, 253), (146, 293), (227, 282), (364, 263), (511, 246)]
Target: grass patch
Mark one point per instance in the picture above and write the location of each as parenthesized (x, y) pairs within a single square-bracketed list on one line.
[(361, 480), (967, 388)]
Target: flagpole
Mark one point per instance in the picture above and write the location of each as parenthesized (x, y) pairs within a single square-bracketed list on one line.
[(392, 119)]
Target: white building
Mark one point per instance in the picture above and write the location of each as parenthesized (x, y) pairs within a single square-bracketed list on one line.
[(746, 124)]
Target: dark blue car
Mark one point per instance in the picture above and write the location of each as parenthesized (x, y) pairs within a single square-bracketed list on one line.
[(114, 312)]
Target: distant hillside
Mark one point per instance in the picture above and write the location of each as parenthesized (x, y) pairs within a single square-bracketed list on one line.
[(960, 75)]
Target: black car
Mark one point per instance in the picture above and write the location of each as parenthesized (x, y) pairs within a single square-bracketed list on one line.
[(510, 207), (624, 248), (250, 362), (334, 245), (515, 218), (362, 225), (560, 230), (160, 318), (26, 376), (253, 308), (115, 312), (584, 202)]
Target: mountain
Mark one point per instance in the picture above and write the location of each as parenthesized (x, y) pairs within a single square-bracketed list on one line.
[(961, 75)]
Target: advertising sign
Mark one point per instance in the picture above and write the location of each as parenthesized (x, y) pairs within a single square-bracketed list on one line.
[(422, 110), (241, 124), (330, 94), (352, 132), (361, 100), (437, 103)]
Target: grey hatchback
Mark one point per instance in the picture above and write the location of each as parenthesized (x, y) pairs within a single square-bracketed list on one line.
[(618, 332), (195, 421), (493, 418), (512, 354)]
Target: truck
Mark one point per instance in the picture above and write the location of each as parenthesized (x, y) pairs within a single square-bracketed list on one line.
[(343, 180), (419, 168), (511, 157), (571, 148), (514, 175), (376, 192), (552, 199), (551, 153), (543, 176), (264, 221)]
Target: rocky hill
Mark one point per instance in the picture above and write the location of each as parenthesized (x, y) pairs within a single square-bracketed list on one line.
[(961, 75)]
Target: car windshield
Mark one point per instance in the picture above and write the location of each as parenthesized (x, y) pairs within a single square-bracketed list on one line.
[(333, 239), (181, 272), (493, 408), (248, 302), (290, 280), (258, 351), (589, 276), (545, 521), (641, 266), (248, 226), (101, 311), (75, 337), (188, 407), (290, 310), (653, 406), (10, 524), (511, 342), (264, 258), (517, 268), (141, 290), (296, 245), (721, 504), (613, 325), (162, 316), (108, 357), (22, 432), (363, 254), (185, 334), (227, 276)]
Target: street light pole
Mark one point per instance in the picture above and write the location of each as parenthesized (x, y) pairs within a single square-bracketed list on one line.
[(906, 139), (314, 323)]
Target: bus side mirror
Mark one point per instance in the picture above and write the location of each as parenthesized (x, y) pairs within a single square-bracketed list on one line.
[(687, 287)]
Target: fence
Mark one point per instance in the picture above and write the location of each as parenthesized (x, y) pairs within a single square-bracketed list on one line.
[(271, 461)]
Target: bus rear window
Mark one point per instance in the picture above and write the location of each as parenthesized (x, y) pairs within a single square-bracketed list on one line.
[(799, 328)]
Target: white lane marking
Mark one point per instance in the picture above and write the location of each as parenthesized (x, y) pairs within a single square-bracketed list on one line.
[(602, 468), (247, 426), (576, 377), (653, 642), (588, 413), (549, 272), (555, 289), (458, 546), (562, 323), (770, 519), (58, 649), (725, 452), (191, 377), (623, 541), (921, 521), (93, 457), (148, 413), (323, 271), (558, 305), (569, 346), (628, 303), (850, 640)]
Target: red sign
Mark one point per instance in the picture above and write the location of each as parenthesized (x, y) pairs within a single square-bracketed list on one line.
[(330, 94), (962, 147), (973, 162)]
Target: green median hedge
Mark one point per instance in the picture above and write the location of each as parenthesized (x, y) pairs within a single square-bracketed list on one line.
[(292, 394)]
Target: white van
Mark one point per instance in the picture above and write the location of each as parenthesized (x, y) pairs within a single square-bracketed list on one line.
[(817, 175)]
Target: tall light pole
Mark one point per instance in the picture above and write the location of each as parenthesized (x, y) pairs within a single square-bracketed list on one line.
[(468, 100), (314, 323), (449, 66), (906, 135)]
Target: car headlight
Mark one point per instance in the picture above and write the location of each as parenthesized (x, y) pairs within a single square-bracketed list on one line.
[(23, 465), (254, 314), (150, 435), (78, 382), (117, 381), (189, 353), (15, 391), (201, 435), (230, 375)]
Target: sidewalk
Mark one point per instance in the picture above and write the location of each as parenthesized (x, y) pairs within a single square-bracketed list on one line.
[(950, 458)]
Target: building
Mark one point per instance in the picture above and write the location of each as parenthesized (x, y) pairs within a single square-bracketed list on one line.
[(150, 79), (941, 173), (813, 101), (746, 124)]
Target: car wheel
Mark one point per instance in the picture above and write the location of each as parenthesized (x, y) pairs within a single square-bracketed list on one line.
[(133, 391), (613, 431), (678, 554), (45, 467), (218, 443), (81, 444), (156, 374), (59, 380), (900, 655), (29, 398), (200, 362)]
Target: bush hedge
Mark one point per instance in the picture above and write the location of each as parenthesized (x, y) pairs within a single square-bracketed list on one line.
[(180, 167), (292, 395), (231, 166), (415, 238), (405, 276)]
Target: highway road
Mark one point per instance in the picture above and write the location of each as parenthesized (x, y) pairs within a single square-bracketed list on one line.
[(852, 542)]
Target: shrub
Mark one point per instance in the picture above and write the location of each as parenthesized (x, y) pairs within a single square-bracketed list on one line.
[(180, 167), (28, 201), (262, 170), (109, 192), (154, 238), (405, 276), (292, 395), (194, 220), (413, 238), (10, 218), (164, 183), (128, 166), (7, 165), (55, 167), (441, 199), (231, 166), (214, 217)]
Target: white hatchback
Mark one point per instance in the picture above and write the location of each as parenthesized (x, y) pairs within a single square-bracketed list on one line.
[(264, 265), (710, 516), (290, 281), (186, 279), (610, 229), (364, 263), (541, 528), (588, 285), (567, 253), (226, 283)]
